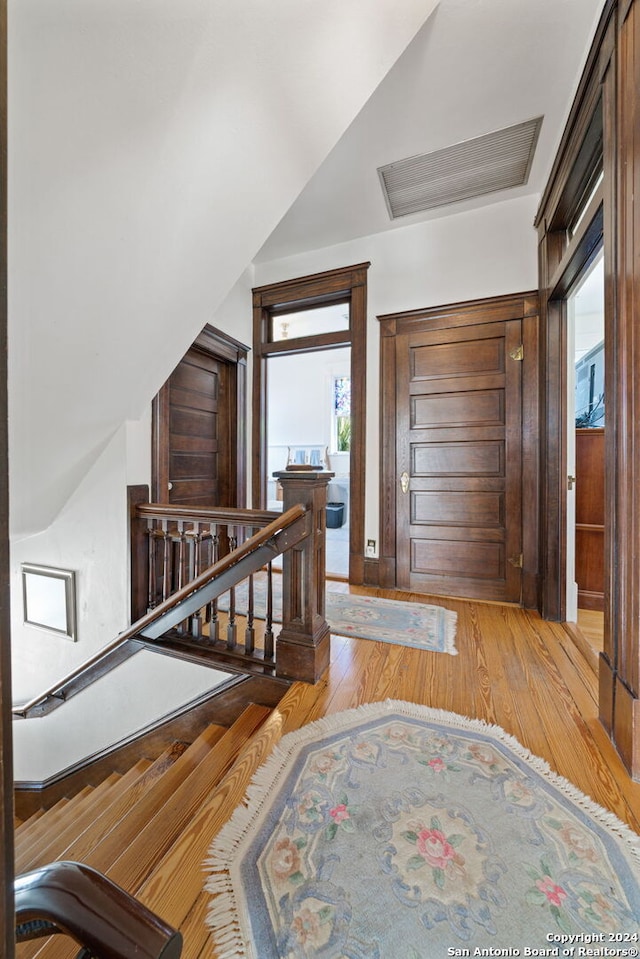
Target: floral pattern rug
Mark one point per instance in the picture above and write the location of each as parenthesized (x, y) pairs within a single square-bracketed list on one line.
[(431, 628), (394, 831)]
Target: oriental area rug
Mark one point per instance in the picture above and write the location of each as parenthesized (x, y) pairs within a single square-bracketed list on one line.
[(394, 831), (431, 628)]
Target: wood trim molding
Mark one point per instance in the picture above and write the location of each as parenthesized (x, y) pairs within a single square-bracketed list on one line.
[(620, 678), (321, 285), (605, 115), (580, 115), (626, 726), (222, 705), (348, 284), (494, 309), (371, 572), (159, 430), (7, 945)]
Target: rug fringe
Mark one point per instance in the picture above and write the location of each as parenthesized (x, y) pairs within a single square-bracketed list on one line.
[(226, 916), (450, 627)]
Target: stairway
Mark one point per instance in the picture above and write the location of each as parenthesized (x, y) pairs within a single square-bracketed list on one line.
[(149, 830)]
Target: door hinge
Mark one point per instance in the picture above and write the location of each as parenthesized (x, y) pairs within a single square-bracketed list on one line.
[(516, 561), (518, 353)]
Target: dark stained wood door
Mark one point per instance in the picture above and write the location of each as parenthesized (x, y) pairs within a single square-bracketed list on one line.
[(193, 433), (458, 457)]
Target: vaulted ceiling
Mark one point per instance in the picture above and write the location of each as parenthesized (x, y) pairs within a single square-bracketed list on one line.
[(157, 148), (153, 147), (475, 67)]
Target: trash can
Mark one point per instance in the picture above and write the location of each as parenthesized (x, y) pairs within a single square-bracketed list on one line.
[(335, 515)]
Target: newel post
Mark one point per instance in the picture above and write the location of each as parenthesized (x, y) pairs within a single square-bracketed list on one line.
[(139, 550), (303, 642)]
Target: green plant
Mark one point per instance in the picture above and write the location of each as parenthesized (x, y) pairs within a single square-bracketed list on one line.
[(344, 434)]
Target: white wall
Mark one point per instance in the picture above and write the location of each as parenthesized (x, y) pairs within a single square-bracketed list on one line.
[(122, 702), (153, 147), (481, 253), (300, 397), (90, 536)]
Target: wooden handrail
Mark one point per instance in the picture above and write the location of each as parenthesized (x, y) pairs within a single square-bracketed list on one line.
[(259, 539), (74, 899), (191, 514)]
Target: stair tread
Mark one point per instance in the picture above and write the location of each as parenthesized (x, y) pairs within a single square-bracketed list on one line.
[(131, 866), (54, 844), (78, 844), (32, 825), (177, 880), (195, 932), (55, 817), (129, 861), (26, 823)]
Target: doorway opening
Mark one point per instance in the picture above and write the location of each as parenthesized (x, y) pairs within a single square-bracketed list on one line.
[(309, 422), (301, 326), (586, 454)]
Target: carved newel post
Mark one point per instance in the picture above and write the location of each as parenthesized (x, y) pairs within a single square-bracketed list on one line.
[(303, 643)]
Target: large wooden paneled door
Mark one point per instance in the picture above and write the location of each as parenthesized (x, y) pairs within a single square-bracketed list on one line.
[(199, 427), (456, 492)]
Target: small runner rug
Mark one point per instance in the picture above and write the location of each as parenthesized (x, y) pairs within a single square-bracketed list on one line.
[(426, 627), (394, 831)]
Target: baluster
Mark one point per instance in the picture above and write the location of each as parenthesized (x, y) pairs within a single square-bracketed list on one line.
[(233, 538), (181, 564), (151, 592), (268, 625), (166, 572), (214, 622), (232, 629), (194, 571), (249, 633)]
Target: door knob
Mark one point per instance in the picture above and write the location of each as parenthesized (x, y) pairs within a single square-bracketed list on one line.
[(404, 482)]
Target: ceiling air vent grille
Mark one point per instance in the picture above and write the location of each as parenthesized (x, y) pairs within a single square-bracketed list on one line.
[(496, 161)]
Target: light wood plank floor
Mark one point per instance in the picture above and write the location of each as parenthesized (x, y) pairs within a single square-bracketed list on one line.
[(591, 623), (512, 669)]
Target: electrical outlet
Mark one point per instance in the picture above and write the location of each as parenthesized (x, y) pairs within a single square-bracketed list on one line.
[(371, 547)]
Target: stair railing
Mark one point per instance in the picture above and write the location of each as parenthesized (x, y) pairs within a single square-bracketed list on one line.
[(169, 544), (282, 533), (73, 899), (298, 534)]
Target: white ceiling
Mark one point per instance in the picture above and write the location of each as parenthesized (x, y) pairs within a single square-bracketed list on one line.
[(475, 67)]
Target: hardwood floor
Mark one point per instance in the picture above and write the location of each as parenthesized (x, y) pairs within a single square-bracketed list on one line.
[(591, 622), (512, 669)]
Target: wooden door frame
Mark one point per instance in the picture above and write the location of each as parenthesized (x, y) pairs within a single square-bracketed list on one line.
[(346, 284), (602, 125), (562, 256), (7, 923), (222, 347), (522, 306)]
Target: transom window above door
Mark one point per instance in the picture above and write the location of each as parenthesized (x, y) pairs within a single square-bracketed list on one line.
[(310, 322)]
